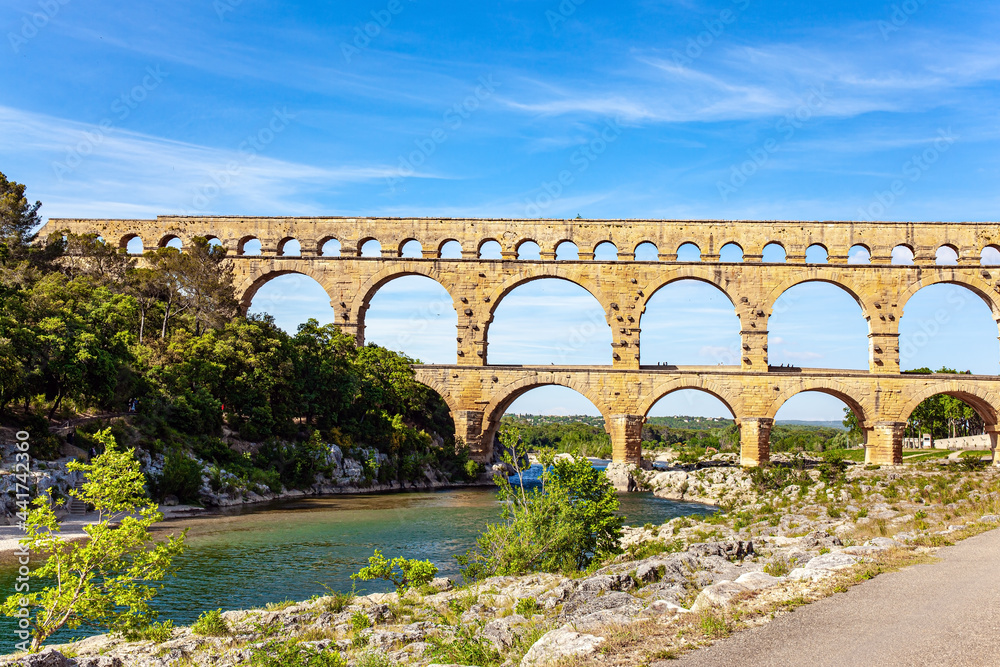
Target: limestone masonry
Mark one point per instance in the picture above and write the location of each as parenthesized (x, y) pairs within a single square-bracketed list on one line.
[(478, 393)]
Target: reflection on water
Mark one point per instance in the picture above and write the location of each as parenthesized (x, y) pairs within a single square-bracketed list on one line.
[(247, 557)]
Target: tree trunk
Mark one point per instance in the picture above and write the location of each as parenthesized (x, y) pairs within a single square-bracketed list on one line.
[(166, 316), (142, 322)]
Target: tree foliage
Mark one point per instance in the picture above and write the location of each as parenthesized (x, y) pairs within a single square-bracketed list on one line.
[(943, 416), (562, 524), (109, 579)]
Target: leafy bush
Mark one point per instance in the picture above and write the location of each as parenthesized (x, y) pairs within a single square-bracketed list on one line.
[(211, 624), (527, 607), (412, 572), (181, 477), (360, 621), (833, 467), (562, 525), (466, 648), (293, 653)]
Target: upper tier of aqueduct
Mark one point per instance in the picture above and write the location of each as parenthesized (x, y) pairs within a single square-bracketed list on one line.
[(624, 391)]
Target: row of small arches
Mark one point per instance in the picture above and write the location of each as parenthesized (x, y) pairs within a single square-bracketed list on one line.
[(568, 251)]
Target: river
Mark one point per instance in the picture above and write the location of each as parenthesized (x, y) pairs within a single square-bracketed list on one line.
[(246, 557)]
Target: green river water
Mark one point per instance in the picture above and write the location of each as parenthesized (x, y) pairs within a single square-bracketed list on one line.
[(247, 557)]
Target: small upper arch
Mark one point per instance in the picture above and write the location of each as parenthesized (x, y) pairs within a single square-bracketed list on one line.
[(171, 241), (567, 251), (859, 253), (902, 254), (817, 253), (450, 249), (647, 252), (688, 252), (946, 255), (289, 247), (731, 252), (410, 248), (369, 247), (248, 245), (990, 256), (489, 249), (773, 253), (132, 244), (606, 251), (328, 246), (528, 249)]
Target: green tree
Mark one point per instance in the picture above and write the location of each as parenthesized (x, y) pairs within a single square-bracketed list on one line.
[(411, 572), (17, 217), (107, 580), (562, 525)]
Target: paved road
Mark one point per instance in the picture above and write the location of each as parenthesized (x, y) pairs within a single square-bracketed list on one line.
[(942, 614)]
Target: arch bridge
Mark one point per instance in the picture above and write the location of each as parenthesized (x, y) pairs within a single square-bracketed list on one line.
[(450, 251)]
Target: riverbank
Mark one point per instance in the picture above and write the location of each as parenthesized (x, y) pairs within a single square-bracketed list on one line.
[(788, 537)]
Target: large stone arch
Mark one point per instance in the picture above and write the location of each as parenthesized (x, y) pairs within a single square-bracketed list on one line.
[(731, 399), (709, 277), (248, 287), (977, 286), (862, 408), (505, 395), (816, 275), (548, 271), (983, 401), (363, 297)]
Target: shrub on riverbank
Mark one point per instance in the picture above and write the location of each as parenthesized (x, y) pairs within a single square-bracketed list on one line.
[(562, 525)]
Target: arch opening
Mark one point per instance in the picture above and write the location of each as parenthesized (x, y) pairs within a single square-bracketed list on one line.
[(946, 255), (773, 253), (946, 416), (690, 420), (567, 251), (330, 248), (817, 420), (688, 252), (414, 315), (948, 325), (549, 321), (371, 248), (859, 254), (171, 241), (552, 415), (529, 250), (290, 248), (411, 249), (214, 241), (902, 254), (291, 299), (816, 254), (647, 252), (133, 245), (990, 256), (490, 249), (818, 324), (731, 252), (606, 251), (451, 249), (249, 246), (690, 322)]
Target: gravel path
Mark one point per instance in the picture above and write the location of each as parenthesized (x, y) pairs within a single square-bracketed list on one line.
[(942, 614)]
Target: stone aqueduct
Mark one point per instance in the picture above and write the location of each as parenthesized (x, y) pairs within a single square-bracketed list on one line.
[(478, 393)]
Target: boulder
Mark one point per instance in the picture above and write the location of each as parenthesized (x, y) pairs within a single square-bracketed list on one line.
[(831, 561), (718, 595), (560, 643), (47, 658), (667, 607), (621, 476), (756, 581), (504, 632), (583, 605)]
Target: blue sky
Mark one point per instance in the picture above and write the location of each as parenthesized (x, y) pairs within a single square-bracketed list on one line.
[(418, 108)]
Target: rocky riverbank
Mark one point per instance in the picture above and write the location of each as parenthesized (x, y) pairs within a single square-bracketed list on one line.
[(788, 536)]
